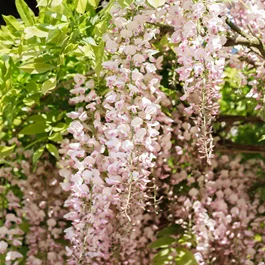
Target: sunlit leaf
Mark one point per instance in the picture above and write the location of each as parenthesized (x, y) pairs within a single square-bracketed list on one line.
[(185, 257), (162, 257), (125, 3), (156, 3), (25, 12), (36, 118), (55, 3), (53, 150), (37, 154), (6, 150), (13, 23), (48, 85), (60, 127), (93, 3), (99, 52), (35, 128), (37, 68), (31, 32), (56, 137), (162, 242), (81, 6), (262, 138)]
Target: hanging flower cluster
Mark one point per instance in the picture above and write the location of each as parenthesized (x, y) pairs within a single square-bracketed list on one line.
[(41, 208), (117, 139), (226, 221), (122, 140), (43, 200), (199, 32), (11, 235), (218, 209)]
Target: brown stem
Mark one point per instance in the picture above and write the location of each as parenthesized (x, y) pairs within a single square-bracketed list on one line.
[(241, 119), (240, 148)]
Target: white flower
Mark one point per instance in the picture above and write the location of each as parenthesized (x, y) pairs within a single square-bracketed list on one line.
[(3, 247), (12, 255), (136, 122)]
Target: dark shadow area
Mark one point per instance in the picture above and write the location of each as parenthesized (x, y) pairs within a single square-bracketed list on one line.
[(8, 7)]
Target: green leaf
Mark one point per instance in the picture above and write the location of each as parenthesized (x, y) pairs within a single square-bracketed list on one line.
[(57, 36), (37, 68), (91, 41), (32, 99), (169, 230), (13, 23), (99, 52), (32, 86), (70, 48), (42, 3), (48, 85), (35, 128), (53, 150), (36, 118), (6, 150), (37, 154), (88, 51), (185, 238), (31, 32), (24, 226), (107, 9), (258, 238), (45, 58), (185, 257), (81, 6), (261, 192), (124, 3), (101, 27), (57, 16), (93, 3), (44, 138), (262, 138), (156, 3), (55, 3), (162, 257), (25, 12), (56, 137), (162, 242), (60, 127), (4, 162)]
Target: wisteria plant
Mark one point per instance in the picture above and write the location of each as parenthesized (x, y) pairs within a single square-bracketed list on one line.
[(132, 132)]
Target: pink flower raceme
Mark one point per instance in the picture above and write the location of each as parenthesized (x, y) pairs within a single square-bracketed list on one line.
[(107, 166), (40, 208), (200, 36), (218, 209), (44, 212)]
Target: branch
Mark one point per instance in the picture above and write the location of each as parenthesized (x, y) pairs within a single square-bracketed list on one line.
[(240, 148), (244, 39), (242, 119)]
